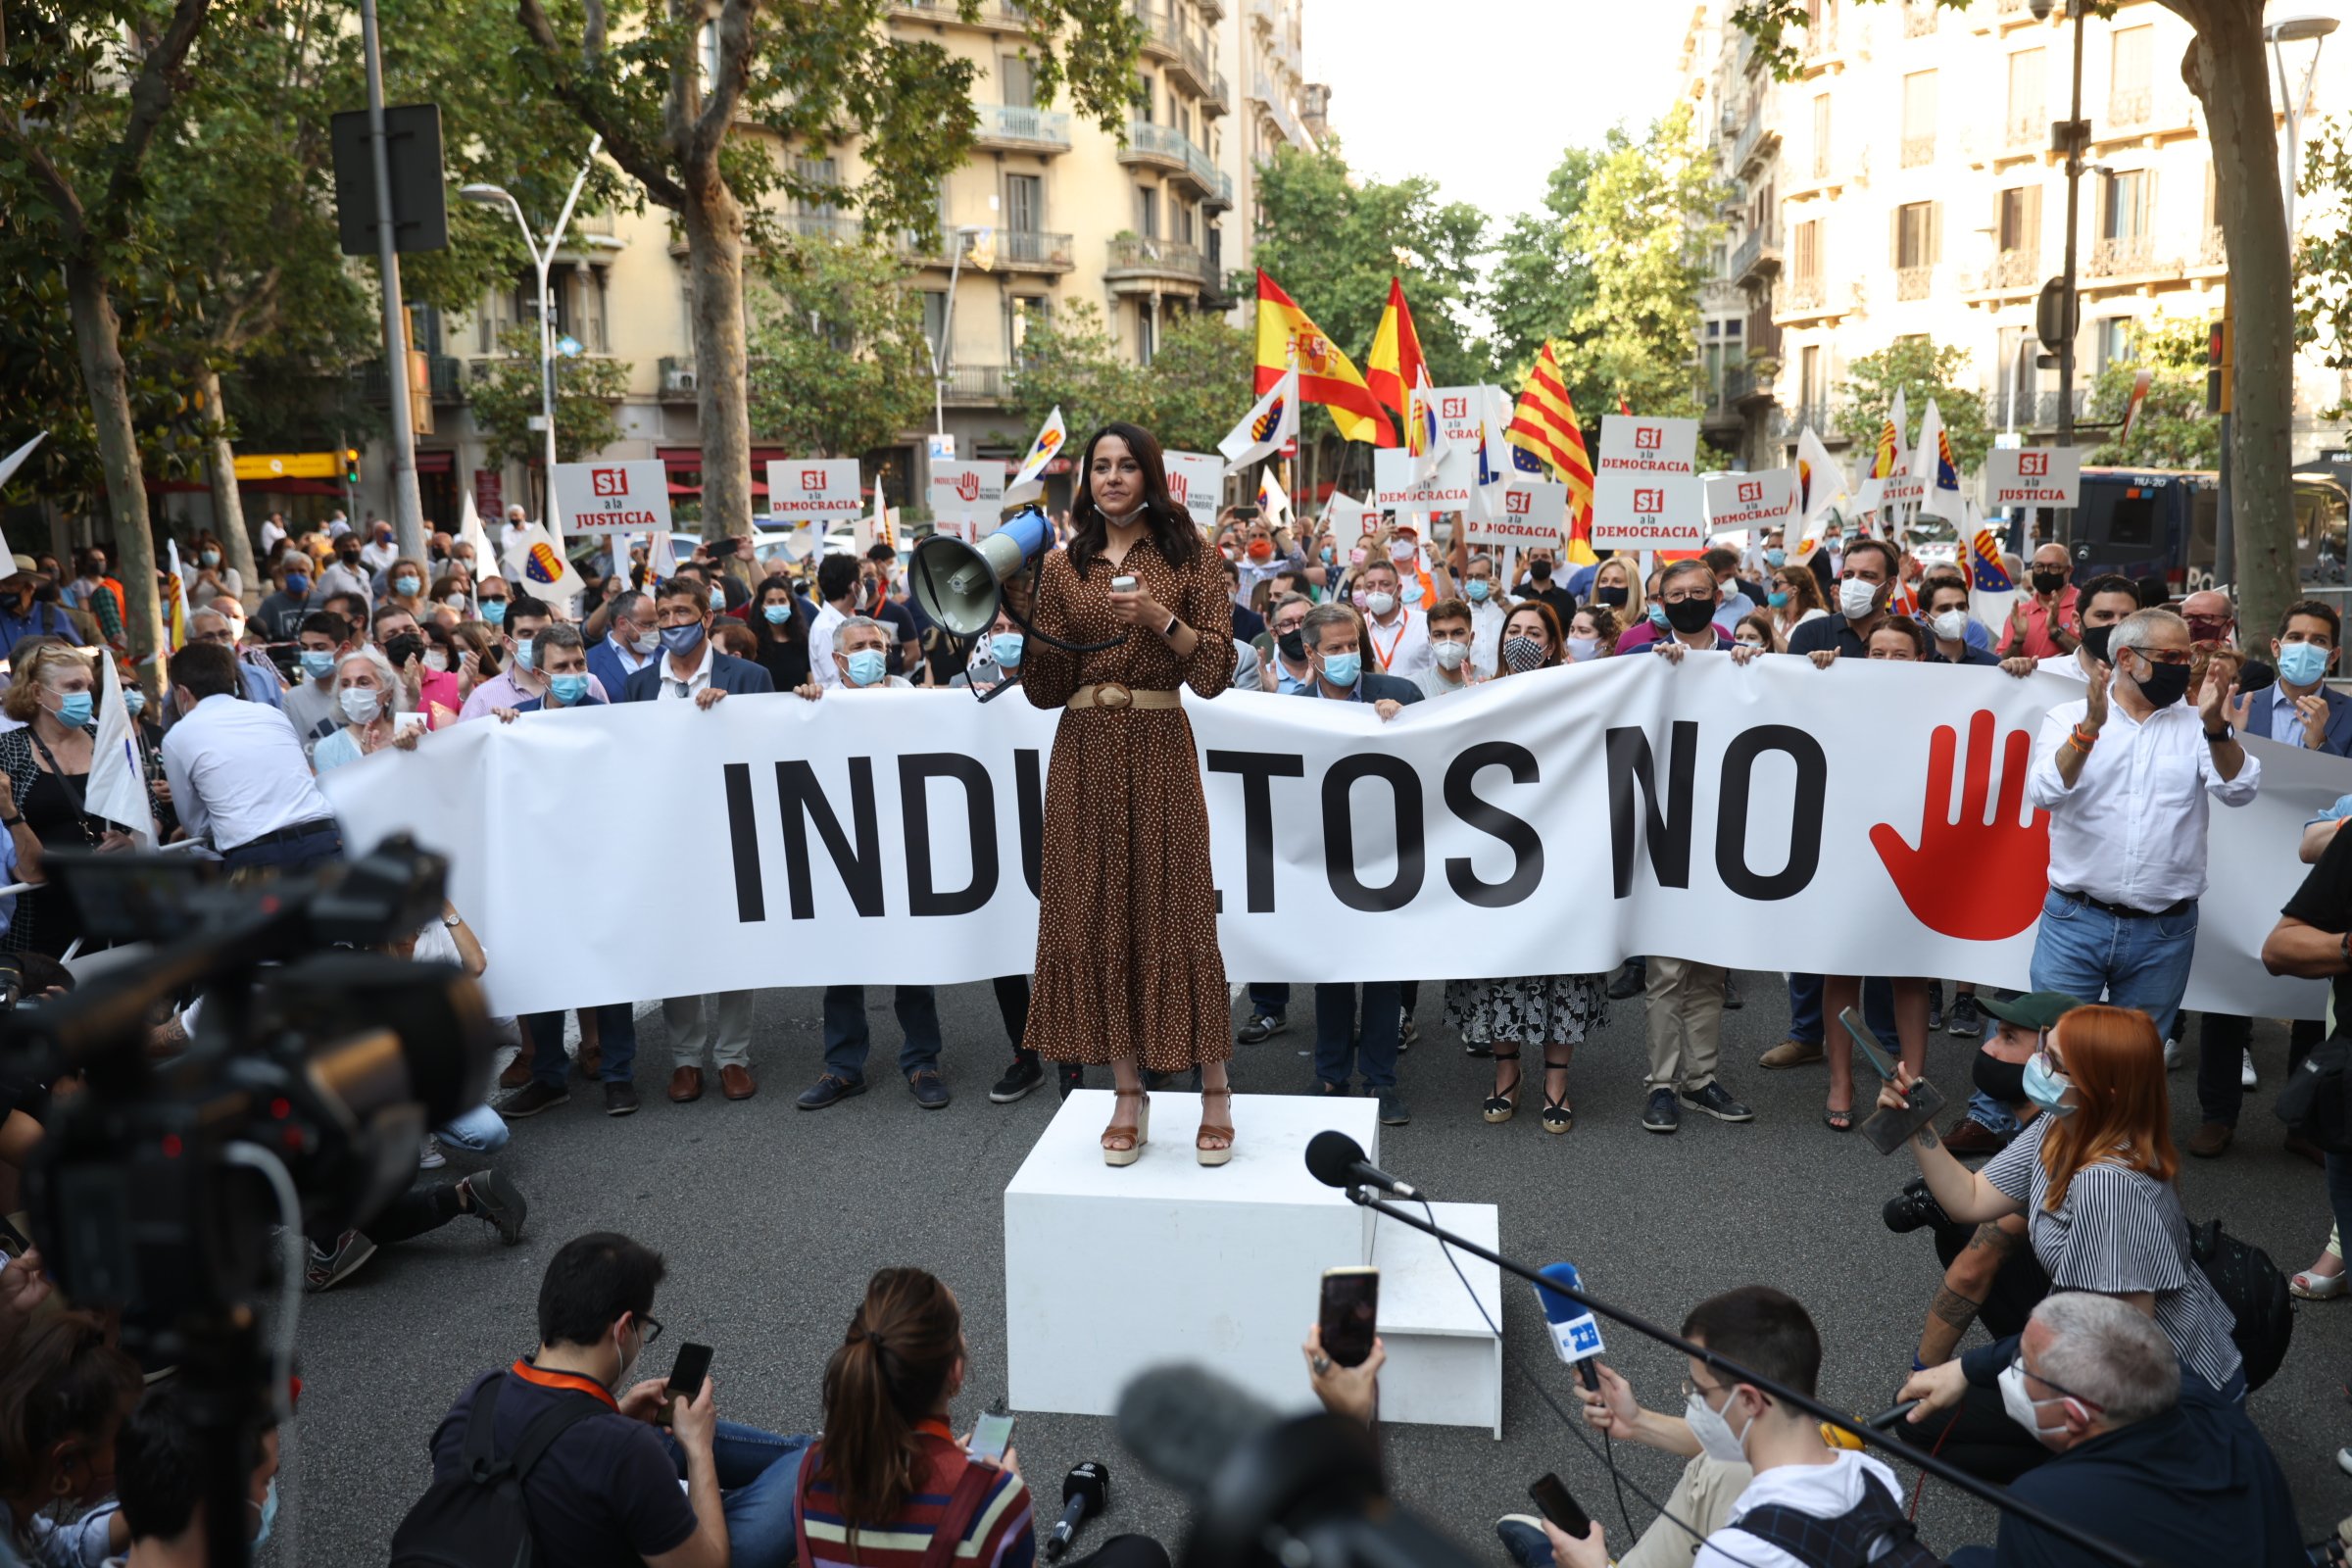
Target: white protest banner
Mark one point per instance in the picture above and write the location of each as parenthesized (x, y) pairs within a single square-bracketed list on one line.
[(2033, 476), (604, 497), (967, 498), (1393, 490), (1755, 501), (1769, 816), (1646, 492), (1197, 483), (1534, 511), (826, 488)]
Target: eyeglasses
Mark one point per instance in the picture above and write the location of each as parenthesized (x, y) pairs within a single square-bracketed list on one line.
[(1690, 1387), (2165, 655), (650, 1326), (2018, 1361)]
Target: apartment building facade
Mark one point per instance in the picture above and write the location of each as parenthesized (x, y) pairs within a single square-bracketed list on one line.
[(1143, 228), (1904, 185)]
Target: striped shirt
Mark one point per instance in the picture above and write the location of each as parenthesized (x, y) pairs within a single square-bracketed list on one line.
[(1001, 1535), (2120, 1231)]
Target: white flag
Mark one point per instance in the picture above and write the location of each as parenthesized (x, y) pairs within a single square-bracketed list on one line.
[(117, 783), (471, 532), (536, 565), (661, 558), (1822, 490), (1424, 434), (1272, 504), (1932, 462), (15, 459), (1272, 422), (1029, 481), (177, 618)]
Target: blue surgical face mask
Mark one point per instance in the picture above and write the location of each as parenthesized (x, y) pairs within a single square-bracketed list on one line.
[(297, 584), (1413, 592), (133, 700), (269, 1514), (211, 558), (718, 597), (1329, 555), (1777, 600), (1657, 617), (567, 689), (2046, 1088), (73, 710), (1342, 669), (1005, 648), (1776, 558), (682, 639), (318, 663), (866, 666), (406, 586), (522, 652), (494, 610), (2301, 664), (1477, 589), (775, 614)]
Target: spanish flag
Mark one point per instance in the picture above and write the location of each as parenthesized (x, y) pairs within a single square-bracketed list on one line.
[(1394, 367), (1286, 337)]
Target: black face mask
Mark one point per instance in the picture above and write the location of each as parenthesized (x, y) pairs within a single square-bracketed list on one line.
[(2004, 1081), (2165, 684), (1609, 594), (2094, 638), (1293, 646), (1689, 614), (2048, 582)]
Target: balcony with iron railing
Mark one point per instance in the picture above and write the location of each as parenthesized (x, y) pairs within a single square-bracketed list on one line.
[(1758, 256), (2137, 112), (2038, 411), (976, 386), (1160, 29), (1144, 264), (1021, 129), (1919, 151), (1810, 297), (1276, 105), (1914, 282), (834, 226), (1218, 99), (1758, 137), (1750, 381), (996, 16), (2011, 271), (2212, 253), (1820, 46), (674, 379), (2132, 257), (1034, 250), (1191, 68), (1156, 146)]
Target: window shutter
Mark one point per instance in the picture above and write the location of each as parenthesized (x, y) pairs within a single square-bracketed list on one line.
[(1934, 233)]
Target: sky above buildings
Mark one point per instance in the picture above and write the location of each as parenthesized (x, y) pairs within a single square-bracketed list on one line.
[(1484, 95)]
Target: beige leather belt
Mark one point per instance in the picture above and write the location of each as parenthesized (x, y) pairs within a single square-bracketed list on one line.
[(1114, 694)]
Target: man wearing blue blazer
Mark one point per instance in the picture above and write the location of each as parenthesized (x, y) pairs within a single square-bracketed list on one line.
[(691, 668)]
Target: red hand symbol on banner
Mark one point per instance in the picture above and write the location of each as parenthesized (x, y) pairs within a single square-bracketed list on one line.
[(1976, 880)]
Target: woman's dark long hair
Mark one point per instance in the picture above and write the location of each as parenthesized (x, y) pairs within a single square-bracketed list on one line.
[(887, 1376), (792, 631), (1171, 525)]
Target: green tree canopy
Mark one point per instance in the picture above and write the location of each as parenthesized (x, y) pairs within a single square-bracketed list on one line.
[(2173, 430), (838, 358), (1538, 288), (1920, 371), (1074, 365), (505, 401)]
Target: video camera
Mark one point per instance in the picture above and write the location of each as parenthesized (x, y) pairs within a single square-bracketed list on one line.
[(316, 1069)]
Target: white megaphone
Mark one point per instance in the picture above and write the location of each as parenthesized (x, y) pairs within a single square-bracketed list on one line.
[(960, 584)]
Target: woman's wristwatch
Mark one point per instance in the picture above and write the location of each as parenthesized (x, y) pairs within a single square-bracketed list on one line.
[(1169, 630), (13, 821), (453, 921)]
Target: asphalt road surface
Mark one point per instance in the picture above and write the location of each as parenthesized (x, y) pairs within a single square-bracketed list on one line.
[(771, 1220)]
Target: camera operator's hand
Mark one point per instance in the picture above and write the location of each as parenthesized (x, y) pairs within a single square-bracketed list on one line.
[(113, 841), (695, 1422), (1936, 1388), (1612, 1407), (1570, 1552), (1350, 1391)]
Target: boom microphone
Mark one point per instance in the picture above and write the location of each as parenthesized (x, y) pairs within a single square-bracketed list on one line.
[(1575, 1332), (1085, 1493), (1338, 1160)]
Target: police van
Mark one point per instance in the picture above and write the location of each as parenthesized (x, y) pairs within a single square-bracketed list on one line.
[(2160, 522)]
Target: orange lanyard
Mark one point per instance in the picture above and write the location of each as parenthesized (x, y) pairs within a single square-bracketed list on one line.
[(1403, 623)]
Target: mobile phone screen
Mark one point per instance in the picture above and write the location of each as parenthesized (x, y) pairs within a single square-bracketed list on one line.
[(1351, 1313), (992, 1435), (1560, 1509), (693, 1365)]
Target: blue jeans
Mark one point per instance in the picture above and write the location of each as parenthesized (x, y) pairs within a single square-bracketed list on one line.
[(2140, 962), (617, 1044), (847, 1039), (759, 1472), (1271, 1000), (287, 857), (1373, 1051), (1804, 1008), (479, 1131)]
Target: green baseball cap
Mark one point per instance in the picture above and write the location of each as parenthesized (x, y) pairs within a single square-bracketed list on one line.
[(2035, 1009)]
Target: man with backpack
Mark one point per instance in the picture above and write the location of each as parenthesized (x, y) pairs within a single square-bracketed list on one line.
[(558, 1461)]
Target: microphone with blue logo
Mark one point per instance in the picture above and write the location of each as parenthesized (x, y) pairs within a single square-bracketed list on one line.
[(1575, 1332)]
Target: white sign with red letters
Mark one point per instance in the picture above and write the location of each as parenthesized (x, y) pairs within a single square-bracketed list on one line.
[(1754, 501), (814, 488), (1197, 483), (967, 499), (1645, 490), (1534, 511), (2033, 476), (604, 497)]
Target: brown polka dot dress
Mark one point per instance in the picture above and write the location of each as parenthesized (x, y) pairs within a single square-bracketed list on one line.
[(1127, 960)]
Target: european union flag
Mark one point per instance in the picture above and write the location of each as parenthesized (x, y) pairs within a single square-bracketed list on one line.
[(1524, 460), (1984, 564)]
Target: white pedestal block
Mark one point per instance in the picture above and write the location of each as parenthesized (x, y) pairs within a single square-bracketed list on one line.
[(1445, 1365), (1108, 1272)]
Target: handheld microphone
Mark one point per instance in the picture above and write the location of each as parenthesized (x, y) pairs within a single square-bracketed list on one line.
[(1338, 1160), (2254, 675), (1575, 1332), (1085, 1493)]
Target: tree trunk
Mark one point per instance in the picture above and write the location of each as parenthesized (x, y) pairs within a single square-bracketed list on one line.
[(228, 507), (2231, 73), (97, 338), (713, 225)]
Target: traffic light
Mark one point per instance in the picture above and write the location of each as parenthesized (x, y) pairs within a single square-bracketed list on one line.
[(2221, 373), (350, 465)]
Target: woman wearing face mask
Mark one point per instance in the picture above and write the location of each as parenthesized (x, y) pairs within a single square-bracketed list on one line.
[(53, 696), (1550, 1011), (403, 585), (782, 632), (476, 654), (67, 1392), (214, 577), (1531, 639), (1616, 587), (1755, 631), (1128, 970), (1794, 598), (1592, 633), (366, 688), (2093, 1177)]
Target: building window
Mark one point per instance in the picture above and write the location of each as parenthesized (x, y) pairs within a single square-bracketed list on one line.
[(1016, 77), (1812, 392), (2112, 342), (2125, 205), (2027, 125), (1146, 212), (1025, 315), (2129, 100), (1024, 203), (1143, 98), (935, 318), (1821, 136), (1804, 280), (1919, 118), (2018, 222), (1145, 338)]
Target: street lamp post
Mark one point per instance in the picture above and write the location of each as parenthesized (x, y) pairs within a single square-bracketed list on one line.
[(543, 258), (2074, 133), (2305, 26)]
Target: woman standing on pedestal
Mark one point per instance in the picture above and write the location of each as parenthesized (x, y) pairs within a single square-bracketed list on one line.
[(1128, 969)]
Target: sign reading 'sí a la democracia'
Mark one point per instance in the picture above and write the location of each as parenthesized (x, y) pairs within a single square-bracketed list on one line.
[(814, 488), (602, 497), (1754, 501), (2033, 476), (1646, 492), (1533, 512)]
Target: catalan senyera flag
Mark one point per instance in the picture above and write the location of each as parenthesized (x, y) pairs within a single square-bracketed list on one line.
[(1394, 367), (1886, 457), (1286, 337), (1544, 423)]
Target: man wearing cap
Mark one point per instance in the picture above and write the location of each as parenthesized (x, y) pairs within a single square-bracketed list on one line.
[(22, 614), (2018, 1024)]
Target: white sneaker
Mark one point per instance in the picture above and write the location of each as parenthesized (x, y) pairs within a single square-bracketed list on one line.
[(2245, 1071), (2171, 1055), (2343, 1460), (431, 1159)]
